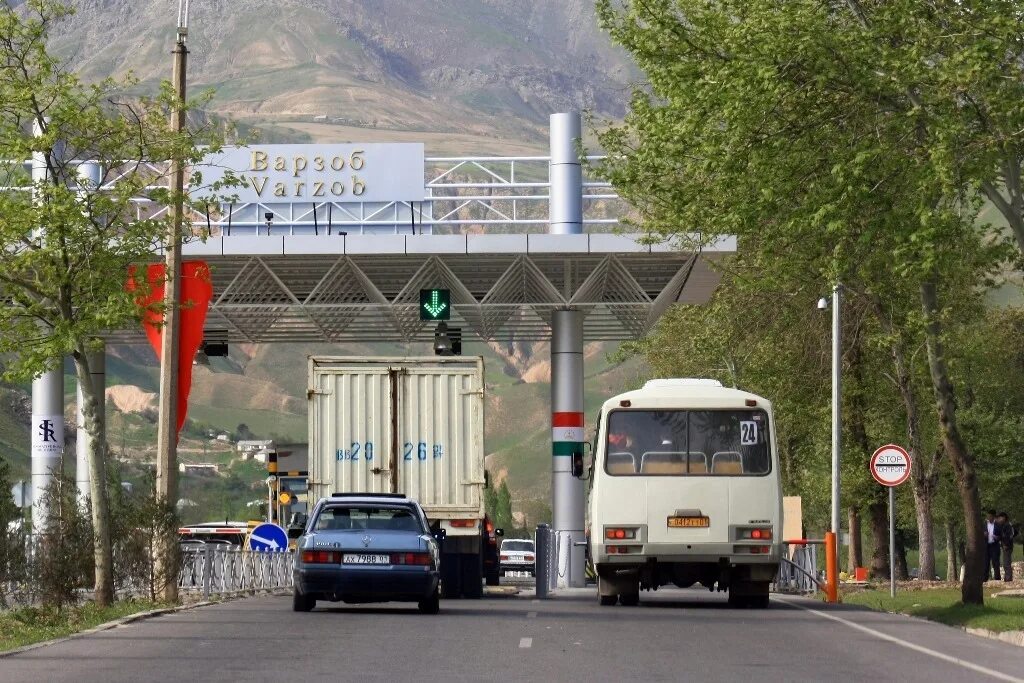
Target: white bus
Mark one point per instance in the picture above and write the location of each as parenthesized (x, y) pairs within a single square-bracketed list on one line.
[(685, 489)]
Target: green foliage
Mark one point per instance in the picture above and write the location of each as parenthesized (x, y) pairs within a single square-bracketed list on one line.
[(62, 559), (36, 624), (943, 605)]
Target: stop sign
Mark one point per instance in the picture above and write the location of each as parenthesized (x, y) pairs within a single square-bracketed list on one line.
[(890, 465)]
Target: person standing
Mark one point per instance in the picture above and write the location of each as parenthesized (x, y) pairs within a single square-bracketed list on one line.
[(1006, 534), (992, 539)]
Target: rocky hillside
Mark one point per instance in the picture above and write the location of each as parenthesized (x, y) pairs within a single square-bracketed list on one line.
[(456, 71)]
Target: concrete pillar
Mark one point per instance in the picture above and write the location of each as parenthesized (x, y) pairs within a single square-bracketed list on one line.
[(567, 440), (565, 208), (565, 215), (91, 175), (47, 401), (97, 368)]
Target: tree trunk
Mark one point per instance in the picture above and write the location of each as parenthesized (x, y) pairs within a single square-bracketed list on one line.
[(855, 552), (961, 459), (901, 557), (925, 532), (952, 571), (879, 514), (924, 477), (102, 554)]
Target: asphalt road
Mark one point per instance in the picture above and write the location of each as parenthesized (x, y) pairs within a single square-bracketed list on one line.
[(673, 635)]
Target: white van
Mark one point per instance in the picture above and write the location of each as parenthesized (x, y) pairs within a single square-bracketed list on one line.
[(685, 489)]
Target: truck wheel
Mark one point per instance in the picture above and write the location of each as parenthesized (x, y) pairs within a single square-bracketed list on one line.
[(451, 576), (472, 576), (630, 599), (607, 600), (491, 578)]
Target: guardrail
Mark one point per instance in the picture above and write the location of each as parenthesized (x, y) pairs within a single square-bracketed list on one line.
[(799, 573), (222, 571)]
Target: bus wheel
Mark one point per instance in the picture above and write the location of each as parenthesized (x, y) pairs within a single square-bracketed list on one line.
[(606, 594)]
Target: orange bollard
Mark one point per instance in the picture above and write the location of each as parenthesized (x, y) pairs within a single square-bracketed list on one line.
[(831, 568)]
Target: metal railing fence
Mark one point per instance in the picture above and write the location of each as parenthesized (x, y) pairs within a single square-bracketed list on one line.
[(210, 570)]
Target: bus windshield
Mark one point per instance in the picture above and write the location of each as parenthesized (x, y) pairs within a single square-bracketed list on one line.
[(688, 442)]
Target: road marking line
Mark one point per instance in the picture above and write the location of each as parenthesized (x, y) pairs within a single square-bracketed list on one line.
[(910, 646), (531, 615), (525, 642)]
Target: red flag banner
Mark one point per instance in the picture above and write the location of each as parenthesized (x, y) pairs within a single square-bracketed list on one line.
[(196, 293)]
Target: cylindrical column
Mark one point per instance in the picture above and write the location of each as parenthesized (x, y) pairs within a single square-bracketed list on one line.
[(565, 206), (272, 485), (90, 174), (47, 398), (837, 359), (567, 441), (83, 443)]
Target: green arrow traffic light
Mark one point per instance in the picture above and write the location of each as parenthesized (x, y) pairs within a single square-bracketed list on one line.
[(435, 304)]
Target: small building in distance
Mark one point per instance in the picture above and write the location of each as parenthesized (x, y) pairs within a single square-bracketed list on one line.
[(250, 448), (199, 468)]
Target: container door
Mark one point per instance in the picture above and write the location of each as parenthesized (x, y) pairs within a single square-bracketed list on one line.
[(440, 437), (354, 446)]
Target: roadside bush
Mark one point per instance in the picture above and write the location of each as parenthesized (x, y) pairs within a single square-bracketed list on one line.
[(13, 559), (62, 551), (140, 525)]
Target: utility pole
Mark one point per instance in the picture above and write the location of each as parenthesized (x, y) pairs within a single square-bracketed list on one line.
[(167, 422)]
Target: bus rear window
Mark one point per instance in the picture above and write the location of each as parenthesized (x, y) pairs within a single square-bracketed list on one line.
[(688, 442)]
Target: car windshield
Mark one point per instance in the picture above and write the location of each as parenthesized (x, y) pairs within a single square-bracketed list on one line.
[(517, 545), (688, 442), (339, 517)]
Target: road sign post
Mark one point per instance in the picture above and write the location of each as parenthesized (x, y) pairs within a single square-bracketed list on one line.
[(268, 538), (890, 466)]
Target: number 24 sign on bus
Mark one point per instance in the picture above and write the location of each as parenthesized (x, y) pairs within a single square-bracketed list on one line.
[(890, 465)]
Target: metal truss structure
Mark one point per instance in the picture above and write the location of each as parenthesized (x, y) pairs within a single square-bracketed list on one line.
[(346, 271)]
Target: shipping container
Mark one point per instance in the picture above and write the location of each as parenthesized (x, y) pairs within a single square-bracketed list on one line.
[(404, 425)]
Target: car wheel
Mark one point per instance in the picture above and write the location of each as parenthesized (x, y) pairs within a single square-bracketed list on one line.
[(431, 605), (302, 602)]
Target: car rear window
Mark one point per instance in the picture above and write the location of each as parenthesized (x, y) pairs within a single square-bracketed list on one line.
[(367, 518), (517, 545)]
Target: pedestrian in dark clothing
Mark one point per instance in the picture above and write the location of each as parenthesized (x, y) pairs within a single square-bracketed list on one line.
[(1007, 532), (992, 540)]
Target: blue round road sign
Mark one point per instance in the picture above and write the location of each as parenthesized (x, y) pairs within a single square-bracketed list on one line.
[(268, 538)]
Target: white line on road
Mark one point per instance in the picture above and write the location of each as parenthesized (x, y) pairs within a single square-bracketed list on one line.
[(531, 615), (525, 643), (910, 646)]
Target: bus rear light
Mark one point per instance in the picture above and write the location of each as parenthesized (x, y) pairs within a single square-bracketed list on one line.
[(320, 557), (619, 533), (623, 549), (463, 523), (761, 533)]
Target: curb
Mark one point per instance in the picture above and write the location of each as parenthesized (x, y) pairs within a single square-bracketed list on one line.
[(1011, 637), (138, 616)]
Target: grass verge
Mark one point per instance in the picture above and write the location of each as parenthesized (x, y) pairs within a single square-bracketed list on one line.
[(943, 605), (35, 624)]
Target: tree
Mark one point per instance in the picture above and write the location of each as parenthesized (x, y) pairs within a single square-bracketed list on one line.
[(829, 136), (66, 243)]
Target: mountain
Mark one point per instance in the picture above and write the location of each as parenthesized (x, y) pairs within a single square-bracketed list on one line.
[(471, 77), (475, 76)]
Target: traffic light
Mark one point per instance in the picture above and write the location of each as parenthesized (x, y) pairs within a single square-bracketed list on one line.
[(435, 304)]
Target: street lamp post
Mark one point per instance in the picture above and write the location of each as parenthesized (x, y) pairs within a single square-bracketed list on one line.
[(167, 423), (832, 537)]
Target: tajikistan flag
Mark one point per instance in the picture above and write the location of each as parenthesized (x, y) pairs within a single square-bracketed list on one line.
[(566, 433)]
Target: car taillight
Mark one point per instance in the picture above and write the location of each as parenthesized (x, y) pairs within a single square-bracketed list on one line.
[(320, 557), (529, 558), (618, 533), (504, 557), (419, 559), (463, 523)]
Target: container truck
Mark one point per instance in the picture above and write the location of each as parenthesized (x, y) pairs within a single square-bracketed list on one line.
[(413, 426)]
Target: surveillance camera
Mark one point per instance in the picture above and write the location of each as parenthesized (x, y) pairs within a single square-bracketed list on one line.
[(823, 303), (269, 215)]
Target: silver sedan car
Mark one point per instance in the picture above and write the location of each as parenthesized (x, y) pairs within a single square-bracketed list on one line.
[(360, 548)]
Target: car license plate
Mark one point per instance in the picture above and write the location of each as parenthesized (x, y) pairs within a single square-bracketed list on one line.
[(689, 522), (351, 558)]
